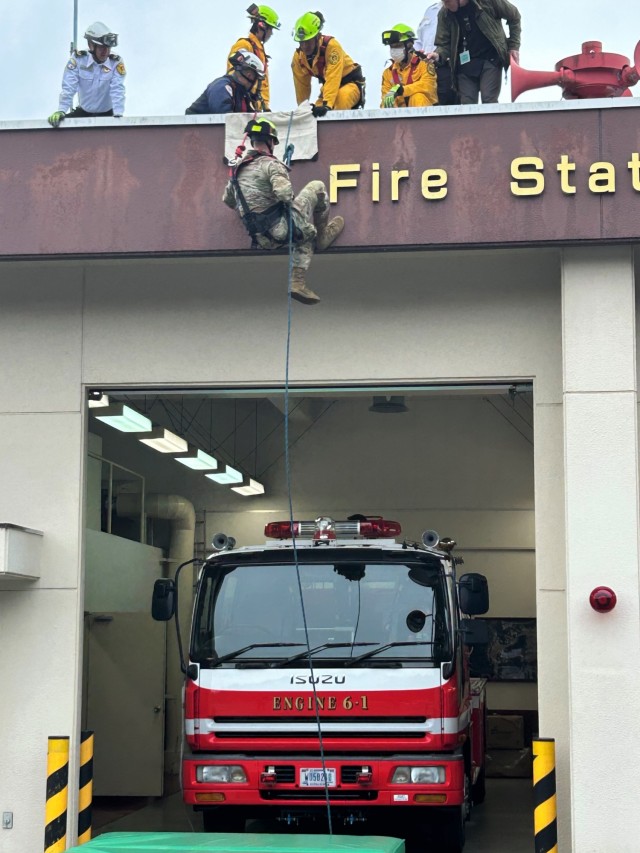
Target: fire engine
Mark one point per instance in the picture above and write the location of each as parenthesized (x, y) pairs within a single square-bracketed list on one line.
[(328, 678)]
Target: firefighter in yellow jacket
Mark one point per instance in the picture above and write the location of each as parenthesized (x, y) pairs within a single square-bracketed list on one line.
[(264, 21), (410, 81), (323, 57)]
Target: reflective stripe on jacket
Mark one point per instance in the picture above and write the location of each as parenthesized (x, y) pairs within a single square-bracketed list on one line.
[(338, 64)]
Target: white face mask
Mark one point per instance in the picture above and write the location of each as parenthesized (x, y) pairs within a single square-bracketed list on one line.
[(397, 54)]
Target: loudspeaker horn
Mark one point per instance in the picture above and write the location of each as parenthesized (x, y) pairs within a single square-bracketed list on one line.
[(430, 538), (222, 542), (523, 80)]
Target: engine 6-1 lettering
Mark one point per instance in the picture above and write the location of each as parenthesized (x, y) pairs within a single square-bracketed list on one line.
[(321, 703)]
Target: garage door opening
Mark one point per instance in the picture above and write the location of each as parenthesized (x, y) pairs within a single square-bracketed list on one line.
[(457, 459)]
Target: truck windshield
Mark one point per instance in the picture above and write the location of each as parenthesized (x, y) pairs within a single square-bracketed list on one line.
[(397, 608)]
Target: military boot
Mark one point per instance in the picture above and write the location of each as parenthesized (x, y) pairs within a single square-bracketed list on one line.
[(328, 233), (299, 289)]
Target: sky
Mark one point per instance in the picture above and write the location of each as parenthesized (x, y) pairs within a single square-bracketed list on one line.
[(172, 50)]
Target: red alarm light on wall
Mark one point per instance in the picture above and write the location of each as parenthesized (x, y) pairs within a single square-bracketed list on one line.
[(603, 599)]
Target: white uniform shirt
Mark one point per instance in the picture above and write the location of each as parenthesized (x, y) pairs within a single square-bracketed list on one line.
[(427, 29), (99, 86)]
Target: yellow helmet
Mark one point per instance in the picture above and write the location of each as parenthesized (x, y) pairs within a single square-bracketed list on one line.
[(308, 26), (398, 35), (265, 14)]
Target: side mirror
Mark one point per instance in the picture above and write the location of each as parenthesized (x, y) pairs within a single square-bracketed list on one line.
[(474, 632), (163, 603), (473, 594)]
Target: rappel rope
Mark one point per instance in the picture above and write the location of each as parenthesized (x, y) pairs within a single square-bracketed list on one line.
[(288, 154)]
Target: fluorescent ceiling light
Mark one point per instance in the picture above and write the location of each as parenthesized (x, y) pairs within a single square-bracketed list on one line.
[(249, 487), (98, 402), (124, 418), (198, 460), (164, 441), (226, 475)]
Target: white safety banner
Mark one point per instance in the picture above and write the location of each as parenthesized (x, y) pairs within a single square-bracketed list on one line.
[(303, 134)]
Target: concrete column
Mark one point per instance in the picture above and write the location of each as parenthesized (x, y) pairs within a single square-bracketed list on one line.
[(601, 509), (41, 459)]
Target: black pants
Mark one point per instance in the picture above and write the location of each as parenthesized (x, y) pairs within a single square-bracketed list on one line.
[(80, 113), (447, 95)]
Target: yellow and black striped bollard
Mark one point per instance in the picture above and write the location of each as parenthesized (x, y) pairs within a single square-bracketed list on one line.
[(85, 795), (55, 830), (545, 816)]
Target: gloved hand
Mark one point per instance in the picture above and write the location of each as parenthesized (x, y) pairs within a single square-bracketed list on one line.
[(394, 92), (55, 118), (319, 110)]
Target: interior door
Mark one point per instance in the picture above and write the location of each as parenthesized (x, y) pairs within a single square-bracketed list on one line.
[(125, 688)]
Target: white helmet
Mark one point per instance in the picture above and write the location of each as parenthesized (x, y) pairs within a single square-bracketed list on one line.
[(246, 59), (99, 33)]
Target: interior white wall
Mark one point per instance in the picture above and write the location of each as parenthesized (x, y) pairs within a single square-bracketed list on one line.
[(384, 318)]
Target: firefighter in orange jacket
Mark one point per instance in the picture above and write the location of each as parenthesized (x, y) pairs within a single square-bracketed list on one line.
[(410, 81), (264, 21), (323, 57)]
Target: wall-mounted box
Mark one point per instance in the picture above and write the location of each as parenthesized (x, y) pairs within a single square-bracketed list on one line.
[(20, 552)]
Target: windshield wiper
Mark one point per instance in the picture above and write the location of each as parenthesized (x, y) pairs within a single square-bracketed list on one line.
[(238, 652), (377, 651), (317, 649)]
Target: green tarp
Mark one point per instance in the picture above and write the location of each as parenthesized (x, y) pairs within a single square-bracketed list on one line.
[(185, 842)]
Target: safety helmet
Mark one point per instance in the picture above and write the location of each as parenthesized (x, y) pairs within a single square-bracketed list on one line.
[(398, 35), (246, 59), (262, 129), (99, 33), (308, 26), (265, 14)]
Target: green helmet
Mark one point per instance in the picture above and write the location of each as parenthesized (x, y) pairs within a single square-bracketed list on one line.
[(265, 14), (262, 129), (398, 34), (308, 26)]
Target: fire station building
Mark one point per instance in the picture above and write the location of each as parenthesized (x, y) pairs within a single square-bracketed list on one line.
[(471, 368)]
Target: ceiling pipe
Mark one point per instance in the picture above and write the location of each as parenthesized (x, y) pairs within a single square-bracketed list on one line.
[(182, 517)]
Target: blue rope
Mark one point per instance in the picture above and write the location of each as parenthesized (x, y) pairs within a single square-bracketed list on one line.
[(289, 150)]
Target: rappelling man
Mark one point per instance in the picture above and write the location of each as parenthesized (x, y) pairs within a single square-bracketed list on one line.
[(260, 191)]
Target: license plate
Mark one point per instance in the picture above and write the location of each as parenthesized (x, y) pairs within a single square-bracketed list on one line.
[(313, 777)]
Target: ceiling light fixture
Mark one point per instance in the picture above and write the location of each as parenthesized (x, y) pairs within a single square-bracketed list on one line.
[(164, 441), (97, 400), (388, 405), (249, 487), (226, 476), (124, 418), (197, 460)]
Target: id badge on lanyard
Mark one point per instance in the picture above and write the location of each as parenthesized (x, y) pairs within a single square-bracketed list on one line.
[(464, 55)]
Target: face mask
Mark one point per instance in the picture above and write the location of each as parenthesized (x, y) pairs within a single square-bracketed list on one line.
[(397, 54)]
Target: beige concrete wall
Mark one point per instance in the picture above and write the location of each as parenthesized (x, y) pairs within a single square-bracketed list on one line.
[(393, 318)]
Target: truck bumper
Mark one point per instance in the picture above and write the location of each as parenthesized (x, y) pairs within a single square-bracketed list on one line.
[(362, 782)]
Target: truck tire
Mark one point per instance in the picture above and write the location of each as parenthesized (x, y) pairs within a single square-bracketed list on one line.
[(223, 820), (479, 788)]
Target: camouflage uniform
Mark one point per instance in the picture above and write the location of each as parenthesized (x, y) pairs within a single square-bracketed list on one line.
[(264, 182)]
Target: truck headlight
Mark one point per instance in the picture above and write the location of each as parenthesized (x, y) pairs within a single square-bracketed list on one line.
[(427, 775), (418, 775), (220, 773)]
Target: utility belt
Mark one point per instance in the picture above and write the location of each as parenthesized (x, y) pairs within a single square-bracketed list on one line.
[(356, 76), (262, 223)]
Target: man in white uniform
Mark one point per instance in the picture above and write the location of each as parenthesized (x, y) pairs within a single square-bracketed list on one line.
[(96, 76), (425, 43)]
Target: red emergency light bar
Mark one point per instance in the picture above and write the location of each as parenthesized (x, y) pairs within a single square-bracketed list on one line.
[(368, 527)]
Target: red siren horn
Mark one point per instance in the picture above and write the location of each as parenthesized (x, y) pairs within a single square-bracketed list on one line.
[(523, 80)]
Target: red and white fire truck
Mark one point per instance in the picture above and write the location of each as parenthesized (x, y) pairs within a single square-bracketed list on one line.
[(328, 674)]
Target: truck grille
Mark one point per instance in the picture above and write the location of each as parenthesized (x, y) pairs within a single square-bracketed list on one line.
[(286, 773)]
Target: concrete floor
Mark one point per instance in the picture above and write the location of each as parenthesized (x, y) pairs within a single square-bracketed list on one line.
[(503, 824)]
